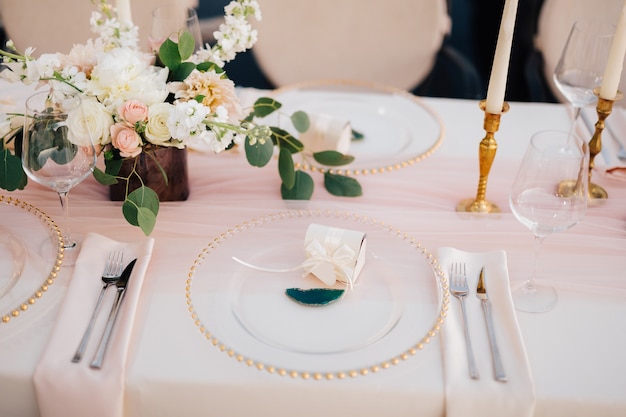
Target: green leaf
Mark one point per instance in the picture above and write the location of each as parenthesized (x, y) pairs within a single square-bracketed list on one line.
[(332, 158), (182, 71), (265, 106), (302, 188), (104, 178), (146, 219), (186, 45), (259, 154), (286, 140), (300, 121), (112, 166), (169, 55), (207, 66), (286, 168), (356, 135), (142, 197), (342, 186), (12, 176)]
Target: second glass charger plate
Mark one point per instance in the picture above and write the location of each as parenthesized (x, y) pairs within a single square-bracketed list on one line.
[(397, 305)]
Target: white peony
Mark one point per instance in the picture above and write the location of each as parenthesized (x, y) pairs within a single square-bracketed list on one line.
[(123, 74)]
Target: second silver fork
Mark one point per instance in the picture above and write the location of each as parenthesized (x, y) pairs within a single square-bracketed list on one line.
[(110, 275), (460, 289)]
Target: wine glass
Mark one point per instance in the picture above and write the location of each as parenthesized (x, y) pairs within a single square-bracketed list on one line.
[(54, 151), (168, 21), (581, 65), (549, 195)]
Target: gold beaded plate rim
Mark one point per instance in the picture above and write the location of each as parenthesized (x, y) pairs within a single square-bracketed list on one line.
[(399, 161), (215, 340), (25, 303)]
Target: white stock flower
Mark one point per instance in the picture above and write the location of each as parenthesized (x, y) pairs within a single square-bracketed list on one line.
[(187, 120)]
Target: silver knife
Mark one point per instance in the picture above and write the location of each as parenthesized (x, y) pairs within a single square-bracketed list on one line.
[(98, 358), (481, 293)]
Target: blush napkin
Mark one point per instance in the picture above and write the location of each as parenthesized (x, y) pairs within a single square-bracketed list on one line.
[(485, 397), (71, 389)]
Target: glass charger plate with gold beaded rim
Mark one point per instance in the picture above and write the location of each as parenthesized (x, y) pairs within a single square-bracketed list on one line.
[(29, 233), (396, 307), (398, 128)]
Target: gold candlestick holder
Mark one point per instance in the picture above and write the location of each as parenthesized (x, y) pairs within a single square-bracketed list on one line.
[(486, 155), (603, 109)]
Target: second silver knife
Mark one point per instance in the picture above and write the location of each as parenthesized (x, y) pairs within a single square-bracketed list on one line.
[(481, 293)]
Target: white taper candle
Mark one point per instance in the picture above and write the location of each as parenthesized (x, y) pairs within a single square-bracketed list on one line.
[(500, 67), (615, 62), (123, 11)]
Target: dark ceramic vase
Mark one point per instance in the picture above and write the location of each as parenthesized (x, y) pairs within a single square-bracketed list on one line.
[(172, 160)]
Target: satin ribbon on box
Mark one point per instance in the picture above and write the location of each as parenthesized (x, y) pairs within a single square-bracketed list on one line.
[(332, 254), (337, 265)]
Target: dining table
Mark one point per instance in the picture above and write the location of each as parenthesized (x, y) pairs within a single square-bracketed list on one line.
[(207, 337)]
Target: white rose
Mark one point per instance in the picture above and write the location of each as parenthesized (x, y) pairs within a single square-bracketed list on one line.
[(156, 128), (92, 122)]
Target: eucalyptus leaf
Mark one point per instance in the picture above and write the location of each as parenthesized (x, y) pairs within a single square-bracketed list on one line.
[(332, 158), (342, 186), (146, 219), (169, 54), (104, 178), (286, 140), (186, 45), (112, 166), (300, 121), (259, 154), (142, 197), (265, 106), (302, 188), (286, 168), (12, 176)]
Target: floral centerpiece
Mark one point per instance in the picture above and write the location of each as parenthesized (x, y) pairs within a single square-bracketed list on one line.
[(136, 102)]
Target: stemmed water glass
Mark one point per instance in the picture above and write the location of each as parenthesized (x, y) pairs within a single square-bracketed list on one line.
[(549, 195), (57, 150), (168, 21), (581, 65)]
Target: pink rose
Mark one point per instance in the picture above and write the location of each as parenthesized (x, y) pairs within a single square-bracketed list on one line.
[(126, 140), (134, 111)]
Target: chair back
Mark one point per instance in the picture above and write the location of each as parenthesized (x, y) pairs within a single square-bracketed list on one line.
[(393, 43), (556, 19), (55, 26)]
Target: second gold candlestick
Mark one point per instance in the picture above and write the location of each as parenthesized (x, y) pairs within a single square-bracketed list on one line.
[(486, 154)]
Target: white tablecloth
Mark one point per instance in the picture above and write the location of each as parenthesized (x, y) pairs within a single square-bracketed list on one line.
[(575, 351)]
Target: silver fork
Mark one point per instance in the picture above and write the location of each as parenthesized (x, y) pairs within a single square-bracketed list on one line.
[(460, 289), (110, 275)]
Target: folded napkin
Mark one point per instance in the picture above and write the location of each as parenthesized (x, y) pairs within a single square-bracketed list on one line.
[(71, 389), (485, 397), (613, 138)]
